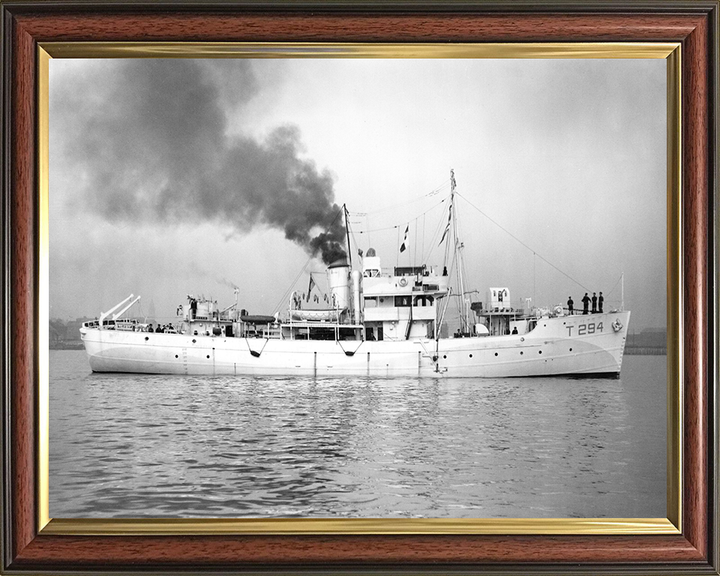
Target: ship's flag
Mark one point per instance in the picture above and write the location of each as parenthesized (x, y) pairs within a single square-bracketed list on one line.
[(447, 226), (310, 287), (405, 243)]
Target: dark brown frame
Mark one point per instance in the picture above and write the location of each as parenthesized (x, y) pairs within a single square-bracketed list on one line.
[(693, 23)]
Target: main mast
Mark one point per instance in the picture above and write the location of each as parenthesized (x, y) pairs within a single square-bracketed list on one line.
[(460, 264), (347, 235)]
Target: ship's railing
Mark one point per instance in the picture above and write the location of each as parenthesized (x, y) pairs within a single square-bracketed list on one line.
[(124, 324), (410, 271), (223, 317), (273, 331), (128, 325)]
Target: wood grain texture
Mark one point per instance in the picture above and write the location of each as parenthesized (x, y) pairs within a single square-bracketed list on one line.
[(321, 27), (688, 552), (22, 292), (319, 550), (697, 291)]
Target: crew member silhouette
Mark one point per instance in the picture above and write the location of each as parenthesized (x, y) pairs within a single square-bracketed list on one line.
[(585, 301)]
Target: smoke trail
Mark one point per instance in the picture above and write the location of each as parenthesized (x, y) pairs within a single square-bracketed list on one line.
[(150, 142), (226, 282)]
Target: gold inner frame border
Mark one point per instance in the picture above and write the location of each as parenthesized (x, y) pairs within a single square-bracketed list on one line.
[(670, 51)]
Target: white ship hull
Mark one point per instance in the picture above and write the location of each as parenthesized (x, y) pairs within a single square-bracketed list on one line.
[(579, 345)]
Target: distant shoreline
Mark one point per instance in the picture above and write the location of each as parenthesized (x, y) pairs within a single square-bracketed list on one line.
[(67, 346), (646, 350)]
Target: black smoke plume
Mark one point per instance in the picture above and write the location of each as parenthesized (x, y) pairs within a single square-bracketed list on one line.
[(153, 141)]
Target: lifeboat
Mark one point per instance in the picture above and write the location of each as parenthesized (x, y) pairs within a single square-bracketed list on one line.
[(320, 315)]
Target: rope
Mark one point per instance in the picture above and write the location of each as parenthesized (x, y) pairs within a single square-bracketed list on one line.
[(286, 295), (439, 227), (525, 245), (303, 269), (398, 225), (616, 285), (386, 208)]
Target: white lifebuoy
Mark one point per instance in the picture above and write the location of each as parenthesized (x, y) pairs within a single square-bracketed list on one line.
[(403, 282), (616, 325)]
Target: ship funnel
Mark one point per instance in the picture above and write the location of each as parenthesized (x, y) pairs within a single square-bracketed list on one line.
[(339, 282)]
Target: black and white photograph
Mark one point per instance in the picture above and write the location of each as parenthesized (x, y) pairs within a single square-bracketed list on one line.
[(358, 288)]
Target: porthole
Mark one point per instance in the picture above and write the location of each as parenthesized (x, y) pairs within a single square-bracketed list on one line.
[(570, 349), (470, 355), (539, 351), (444, 356), (194, 341), (176, 355), (496, 353), (521, 352), (208, 355), (147, 338)]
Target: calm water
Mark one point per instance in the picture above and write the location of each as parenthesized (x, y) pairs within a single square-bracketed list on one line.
[(182, 446)]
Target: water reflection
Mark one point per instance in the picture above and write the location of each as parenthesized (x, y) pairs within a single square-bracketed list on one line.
[(167, 446)]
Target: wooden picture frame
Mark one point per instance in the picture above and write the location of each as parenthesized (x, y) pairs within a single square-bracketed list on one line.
[(29, 547)]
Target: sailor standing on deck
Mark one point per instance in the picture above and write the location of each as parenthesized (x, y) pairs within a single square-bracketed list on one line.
[(570, 305), (601, 300), (585, 301), (594, 304)]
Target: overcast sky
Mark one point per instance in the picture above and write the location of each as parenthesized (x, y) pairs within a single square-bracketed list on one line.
[(175, 177)]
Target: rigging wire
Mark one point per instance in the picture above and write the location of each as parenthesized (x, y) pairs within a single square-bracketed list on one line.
[(417, 199), (616, 285), (303, 269), (435, 237), (415, 243), (354, 238), (291, 287), (608, 294), (441, 321), (397, 251), (141, 312), (535, 254), (398, 225)]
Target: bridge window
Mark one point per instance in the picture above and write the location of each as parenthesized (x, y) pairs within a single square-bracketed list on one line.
[(423, 301)]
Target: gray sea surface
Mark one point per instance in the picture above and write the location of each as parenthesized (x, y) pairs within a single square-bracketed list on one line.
[(138, 446)]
